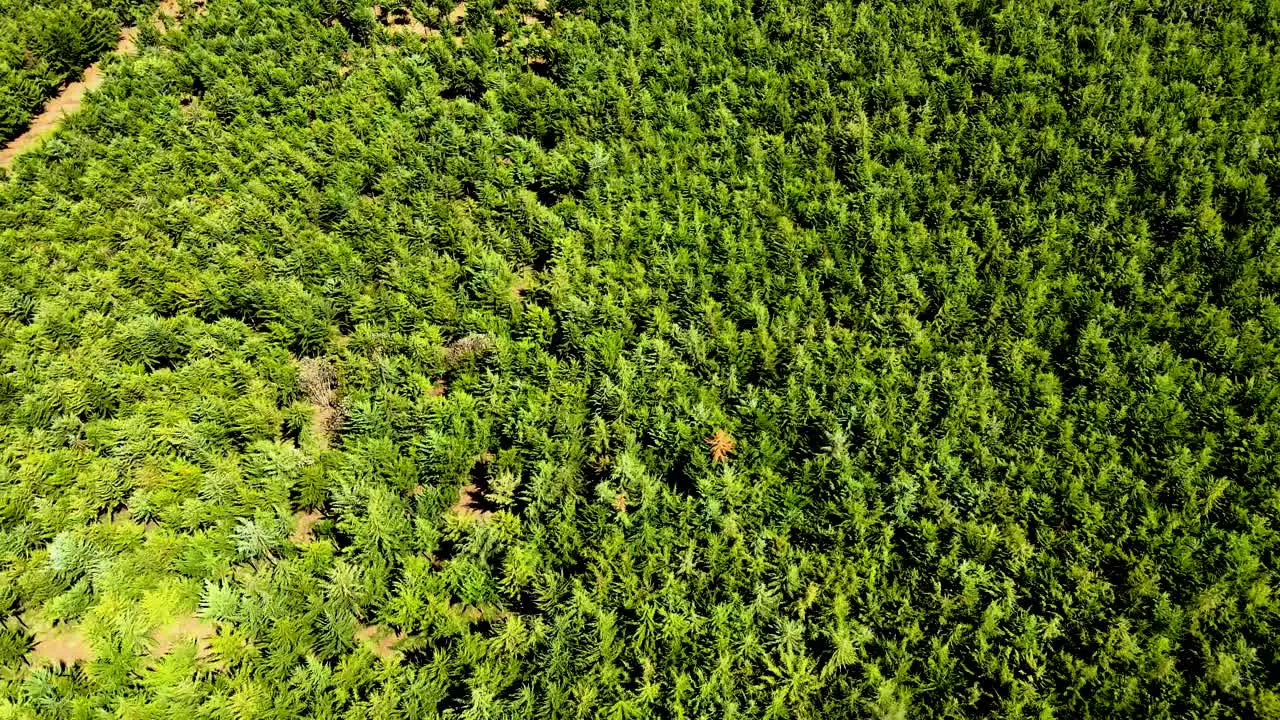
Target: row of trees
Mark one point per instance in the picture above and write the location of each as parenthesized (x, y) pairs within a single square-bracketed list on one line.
[(694, 359), (47, 43)]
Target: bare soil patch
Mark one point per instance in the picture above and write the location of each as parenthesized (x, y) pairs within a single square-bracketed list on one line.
[(303, 523), (468, 505), (64, 644), (471, 504), (67, 644), (379, 640), (458, 12), (402, 20), (320, 383), (188, 629)]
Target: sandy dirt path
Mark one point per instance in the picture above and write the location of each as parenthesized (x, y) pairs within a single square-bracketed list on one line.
[(69, 99)]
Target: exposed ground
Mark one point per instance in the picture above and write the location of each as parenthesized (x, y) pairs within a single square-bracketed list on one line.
[(402, 20), (379, 640), (72, 95), (67, 644), (62, 644), (185, 630), (303, 522), (320, 383), (468, 504)]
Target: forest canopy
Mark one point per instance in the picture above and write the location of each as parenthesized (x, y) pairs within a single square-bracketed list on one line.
[(681, 359), (46, 43)]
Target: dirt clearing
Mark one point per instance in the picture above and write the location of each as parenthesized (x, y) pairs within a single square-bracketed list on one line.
[(303, 523), (186, 630), (64, 644), (379, 640), (320, 382), (72, 95)]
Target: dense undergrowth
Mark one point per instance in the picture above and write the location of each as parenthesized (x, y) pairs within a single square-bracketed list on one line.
[(980, 300), (46, 43)]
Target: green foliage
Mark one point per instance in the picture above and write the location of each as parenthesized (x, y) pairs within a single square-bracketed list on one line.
[(978, 301), (46, 43)]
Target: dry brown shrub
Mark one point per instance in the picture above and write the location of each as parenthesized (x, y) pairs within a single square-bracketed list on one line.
[(319, 381), (467, 347), (721, 445)]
